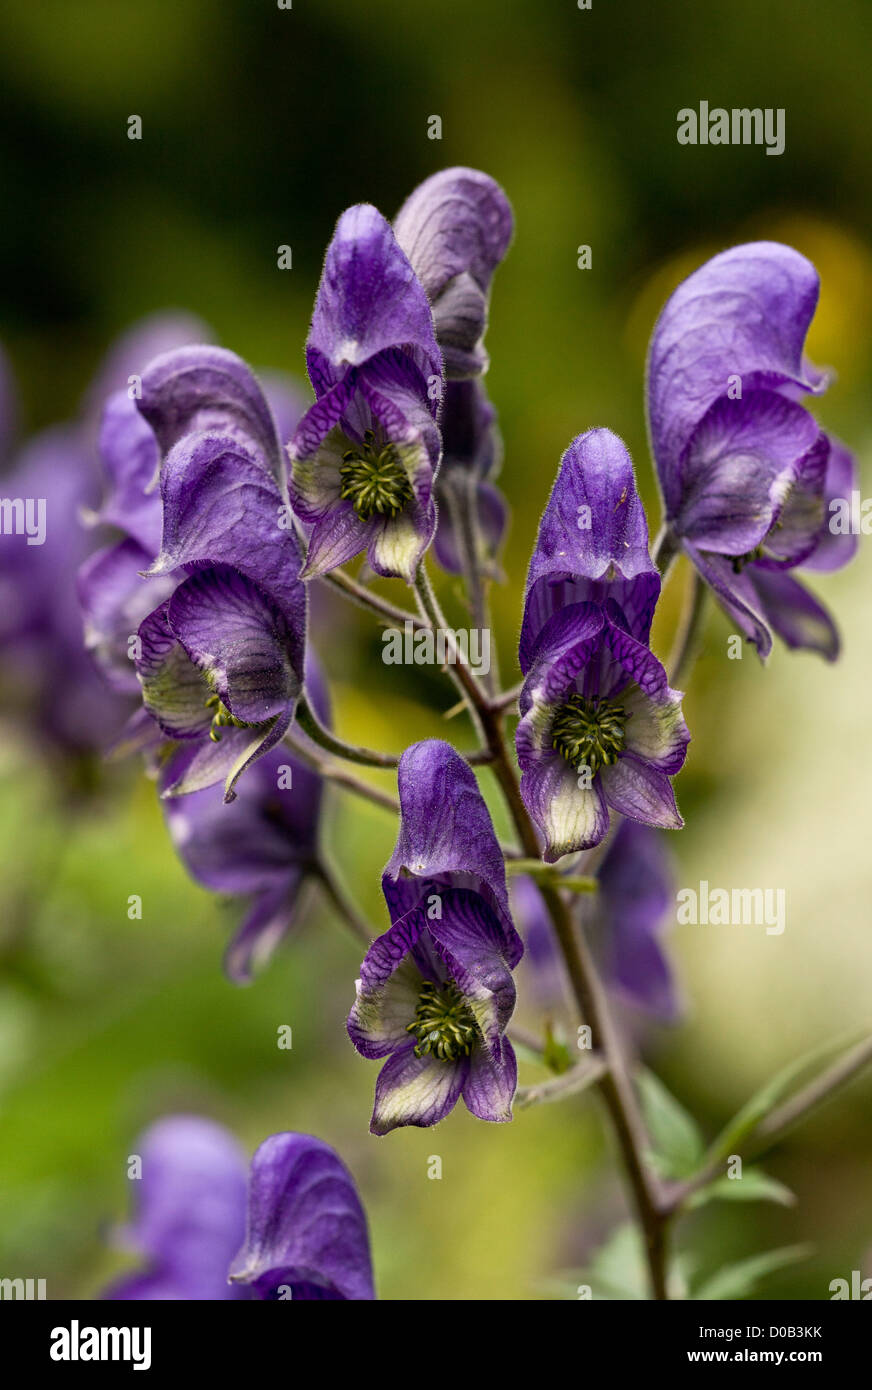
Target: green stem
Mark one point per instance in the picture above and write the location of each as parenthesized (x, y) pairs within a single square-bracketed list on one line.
[(342, 903), (351, 752), (550, 874), (689, 637), (334, 773), (577, 1079)]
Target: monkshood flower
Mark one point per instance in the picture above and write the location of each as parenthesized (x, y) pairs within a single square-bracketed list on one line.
[(306, 1235), (364, 456), (264, 846), (436, 992), (628, 915), (290, 1228), (600, 726), (455, 229), (220, 660), (746, 472), (592, 543)]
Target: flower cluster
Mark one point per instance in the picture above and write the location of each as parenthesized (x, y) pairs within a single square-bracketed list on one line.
[(231, 499)]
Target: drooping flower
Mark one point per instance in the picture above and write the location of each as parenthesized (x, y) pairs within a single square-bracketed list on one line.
[(292, 1228), (221, 658), (364, 456), (436, 990), (456, 228), (745, 470), (49, 678), (306, 1235), (190, 1212), (262, 847), (600, 725), (625, 921)]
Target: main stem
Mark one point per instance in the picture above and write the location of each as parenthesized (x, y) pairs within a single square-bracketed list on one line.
[(615, 1083)]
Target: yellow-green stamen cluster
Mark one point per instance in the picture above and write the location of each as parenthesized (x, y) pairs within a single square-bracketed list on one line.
[(443, 1023), (222, 718), (589, 733), (740, 561), (373, 479)]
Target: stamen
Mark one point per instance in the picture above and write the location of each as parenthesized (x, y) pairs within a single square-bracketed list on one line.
[(222, 719), (374, 480), (443, 1023), (589, 732)]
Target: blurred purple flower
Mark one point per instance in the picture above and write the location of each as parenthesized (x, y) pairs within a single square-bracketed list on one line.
[(365, 454), (304, 1236), (436, 990), (746, 473), (263, 846)]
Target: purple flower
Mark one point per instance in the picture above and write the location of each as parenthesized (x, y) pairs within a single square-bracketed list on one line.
[(190, 1212), (745, 471), (592, 543), (221, 656), (436, 990), (628, 915), (263, 846), (600, 726), (455, 229), (365, 454), (306, 1235)]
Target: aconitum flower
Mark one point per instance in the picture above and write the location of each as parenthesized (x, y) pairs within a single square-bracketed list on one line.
[(625, 920), (221, 659), (190, 1212), (436, 990), (290, 1228), (745, 470), (600, 726), (306, 1235), (365, 454), (264, 846), (592, 543), (456, 228)]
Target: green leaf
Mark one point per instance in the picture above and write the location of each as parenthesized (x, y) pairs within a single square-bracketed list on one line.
[(736, 1280), (555, 1053), (775, 1090), (753, 1186), (677, 1143)]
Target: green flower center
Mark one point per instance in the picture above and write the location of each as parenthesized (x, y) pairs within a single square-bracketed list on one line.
[(443, 1023), (373, 479), (740, 561), (222, 719), (589, 732)]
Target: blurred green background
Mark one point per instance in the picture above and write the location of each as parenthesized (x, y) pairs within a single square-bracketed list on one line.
[(259, 126)]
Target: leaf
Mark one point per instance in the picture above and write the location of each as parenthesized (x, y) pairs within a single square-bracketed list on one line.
[(758, 1107), (677, 1143), (753, 1186), (736, 1280), (555, 1053)]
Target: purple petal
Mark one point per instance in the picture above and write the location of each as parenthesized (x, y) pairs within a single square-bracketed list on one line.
[(369, 300), (446, 838), (190, 1215), (455, 229), (416, 1090), (737, 595), (836, 548), (130, 454), (491, 1084), (738, 469), (794, 613), (592, 542), (635, 789), (210, 390), (306, 1228), (115, 599), (745, 314), (635, 896), (570, 817)]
